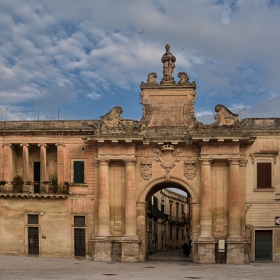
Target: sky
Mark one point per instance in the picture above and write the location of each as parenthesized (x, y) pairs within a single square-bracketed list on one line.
[(72, 59)]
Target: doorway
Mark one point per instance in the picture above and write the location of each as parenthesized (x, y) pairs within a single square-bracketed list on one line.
[(263, 245), (79, 242), (33, 241), (36, 178)]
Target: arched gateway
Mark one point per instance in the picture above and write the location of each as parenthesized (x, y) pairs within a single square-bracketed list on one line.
[(107, 169), (169, 146)]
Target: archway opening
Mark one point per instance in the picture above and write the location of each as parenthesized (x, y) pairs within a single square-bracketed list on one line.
[(168, 221)]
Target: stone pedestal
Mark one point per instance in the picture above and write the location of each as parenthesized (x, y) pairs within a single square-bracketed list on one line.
[(206, 252), (130, 251), (102, 250), (235, 252)]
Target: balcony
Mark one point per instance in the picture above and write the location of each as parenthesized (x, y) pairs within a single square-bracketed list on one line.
[(154, 212)]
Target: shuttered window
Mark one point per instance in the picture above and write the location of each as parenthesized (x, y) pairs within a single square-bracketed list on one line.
[(263, 175), (79, 168)]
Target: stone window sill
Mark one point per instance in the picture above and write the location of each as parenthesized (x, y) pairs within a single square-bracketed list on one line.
[(264, 190)]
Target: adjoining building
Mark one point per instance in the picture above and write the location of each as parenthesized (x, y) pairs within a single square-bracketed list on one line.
[(168, 221), (82, 188)]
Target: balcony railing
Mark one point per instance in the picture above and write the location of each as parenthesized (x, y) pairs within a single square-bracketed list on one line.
[(156, 212)]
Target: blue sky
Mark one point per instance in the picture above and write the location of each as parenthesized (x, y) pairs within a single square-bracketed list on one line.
[(85, 57)]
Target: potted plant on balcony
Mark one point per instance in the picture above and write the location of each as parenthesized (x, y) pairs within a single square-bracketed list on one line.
[(18, 183), (53, 183), (2, 183)]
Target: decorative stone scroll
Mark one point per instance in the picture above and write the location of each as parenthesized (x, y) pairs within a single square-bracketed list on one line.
[(152, 79), (184, 79), (112, 121), (225, 116), (167, 157), (146, 170), (189, 169)]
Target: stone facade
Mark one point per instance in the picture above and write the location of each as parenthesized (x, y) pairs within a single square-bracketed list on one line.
[(104, 172)]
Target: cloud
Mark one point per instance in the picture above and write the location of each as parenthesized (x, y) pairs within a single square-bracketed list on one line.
[(84, 52)]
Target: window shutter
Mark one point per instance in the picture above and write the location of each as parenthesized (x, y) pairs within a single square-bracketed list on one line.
[(268, 175), (78, 172), (264, 175)]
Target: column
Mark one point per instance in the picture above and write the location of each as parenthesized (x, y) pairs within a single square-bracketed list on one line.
[(43, 162), (205, 241), (235, 242), (104, 199), (242, 196), (25, 158), (60, 162), (206, 201), (130, 200), (234, 200), (7, 162)]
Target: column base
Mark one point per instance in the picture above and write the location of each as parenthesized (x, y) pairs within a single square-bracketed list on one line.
[(116, 248), (235, 251), (102, 250), (130, 251), (206, 250)]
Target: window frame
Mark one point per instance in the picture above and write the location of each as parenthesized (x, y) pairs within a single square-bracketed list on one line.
[(264, 158), (73, 171)]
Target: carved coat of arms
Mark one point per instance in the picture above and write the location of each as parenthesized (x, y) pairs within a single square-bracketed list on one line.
[(146, 170), (189, 169), (167, 156)]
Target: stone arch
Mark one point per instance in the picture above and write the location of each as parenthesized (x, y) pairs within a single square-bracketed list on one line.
[(177, 182)]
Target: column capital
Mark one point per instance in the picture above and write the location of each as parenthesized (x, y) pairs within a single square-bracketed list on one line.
[(233, 161), (60, 144), (24, 145), (243, 162), (42, 145), (7, 145), (103, 162), (205, 161), (130, 161)]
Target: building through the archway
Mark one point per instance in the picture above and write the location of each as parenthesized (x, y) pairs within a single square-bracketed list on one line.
[(80, 188)]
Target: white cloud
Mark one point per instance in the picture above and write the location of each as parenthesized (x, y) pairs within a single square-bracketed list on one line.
[(84, 50), (94, 96)]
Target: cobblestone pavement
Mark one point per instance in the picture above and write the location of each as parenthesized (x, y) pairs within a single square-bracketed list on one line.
[(159, 266)]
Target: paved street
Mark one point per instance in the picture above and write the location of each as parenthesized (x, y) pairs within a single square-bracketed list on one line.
[(159, 266)]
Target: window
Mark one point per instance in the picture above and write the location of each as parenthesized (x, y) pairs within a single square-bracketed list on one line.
[(156, 202), (79, 172), (79, 220), (177, 211), (32, 219), (177, 233), (264, 175), (264, 171), (162, 208), (170, 232)]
